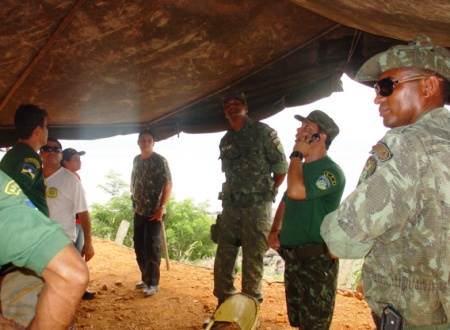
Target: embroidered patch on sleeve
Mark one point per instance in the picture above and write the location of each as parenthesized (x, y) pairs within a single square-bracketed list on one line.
[(273, 133), (326, 181), (369, 168), (29, 171), (12, 188), (382, 151)]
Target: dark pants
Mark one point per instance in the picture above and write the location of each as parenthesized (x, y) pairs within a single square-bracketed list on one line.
[(147, 246)]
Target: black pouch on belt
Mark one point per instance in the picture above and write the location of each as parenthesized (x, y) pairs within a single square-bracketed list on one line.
[(214, 230), (391, 319)]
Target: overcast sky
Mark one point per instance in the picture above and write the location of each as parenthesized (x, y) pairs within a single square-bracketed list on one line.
[(193, 158)]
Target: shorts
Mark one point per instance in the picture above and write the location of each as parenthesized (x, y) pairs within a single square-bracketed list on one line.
[(29, 239)]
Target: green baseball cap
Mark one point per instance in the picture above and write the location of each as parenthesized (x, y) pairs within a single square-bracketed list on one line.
[(323, 121), (420, 53)]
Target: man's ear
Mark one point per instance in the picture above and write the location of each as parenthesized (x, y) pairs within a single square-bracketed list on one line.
[(430, 86), (37, 130)]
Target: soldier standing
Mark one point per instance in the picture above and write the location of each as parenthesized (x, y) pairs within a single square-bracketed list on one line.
[(397, 217), (250, 152)]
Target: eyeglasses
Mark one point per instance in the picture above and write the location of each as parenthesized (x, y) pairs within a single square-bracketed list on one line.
[(385, 86), (51, 149)]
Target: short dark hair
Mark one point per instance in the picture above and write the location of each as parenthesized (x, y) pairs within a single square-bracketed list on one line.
[(27, 118), (146, 131), (52, 139)]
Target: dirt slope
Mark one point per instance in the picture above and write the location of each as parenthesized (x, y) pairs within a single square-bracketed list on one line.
[(184, 300)]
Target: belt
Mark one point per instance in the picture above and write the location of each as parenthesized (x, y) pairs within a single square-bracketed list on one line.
[(301, 252)]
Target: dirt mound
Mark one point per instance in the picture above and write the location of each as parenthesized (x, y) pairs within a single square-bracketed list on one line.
[(184, 299)]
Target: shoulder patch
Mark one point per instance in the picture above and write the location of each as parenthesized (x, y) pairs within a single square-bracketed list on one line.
[(33, 161), (29, 171), (326, 180), (12, 188), (382, 151), (273, 133), (369, 168)]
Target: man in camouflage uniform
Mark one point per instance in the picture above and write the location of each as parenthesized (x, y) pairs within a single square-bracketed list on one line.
[(151, 185), (314, 189), (398, 216), (250, 152)]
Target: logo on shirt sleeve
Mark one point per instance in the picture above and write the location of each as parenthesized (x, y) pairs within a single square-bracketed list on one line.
[(29, 171), (12, 188), (326, 181)]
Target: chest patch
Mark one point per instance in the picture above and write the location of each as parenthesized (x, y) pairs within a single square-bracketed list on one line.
[(52, 192)]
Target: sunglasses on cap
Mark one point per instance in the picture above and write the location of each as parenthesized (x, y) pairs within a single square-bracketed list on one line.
[(51, 149), (385, 86)]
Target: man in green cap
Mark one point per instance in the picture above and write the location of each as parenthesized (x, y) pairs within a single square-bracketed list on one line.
[(315, 184), (397, 217)]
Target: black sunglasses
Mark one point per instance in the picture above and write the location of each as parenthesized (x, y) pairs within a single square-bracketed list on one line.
[(385, 86), (51, 149)]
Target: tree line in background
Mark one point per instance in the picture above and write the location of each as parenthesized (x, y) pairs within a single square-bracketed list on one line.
[(187, 224)]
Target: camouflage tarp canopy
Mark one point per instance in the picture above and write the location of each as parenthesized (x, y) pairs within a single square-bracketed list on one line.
[(103, 68)]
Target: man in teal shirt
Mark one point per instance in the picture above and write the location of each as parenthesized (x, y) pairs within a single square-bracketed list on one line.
[(315, 186), (31, 240)]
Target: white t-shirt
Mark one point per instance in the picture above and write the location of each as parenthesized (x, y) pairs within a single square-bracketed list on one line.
[(65, 197)]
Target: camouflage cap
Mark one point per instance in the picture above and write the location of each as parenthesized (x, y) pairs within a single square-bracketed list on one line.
[(233, 94), (419, 53), (323, 121)]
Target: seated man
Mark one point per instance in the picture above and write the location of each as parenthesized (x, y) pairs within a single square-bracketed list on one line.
[(31, 240)]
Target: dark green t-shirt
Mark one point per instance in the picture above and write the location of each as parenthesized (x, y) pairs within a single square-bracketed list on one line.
[(324, 184), (24, 166)]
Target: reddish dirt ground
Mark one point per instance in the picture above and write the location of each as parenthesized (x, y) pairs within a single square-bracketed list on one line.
[(184, 300)]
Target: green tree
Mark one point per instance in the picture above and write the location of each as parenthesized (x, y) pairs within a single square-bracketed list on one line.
[(106, 218), (187, 230), (187, 225)]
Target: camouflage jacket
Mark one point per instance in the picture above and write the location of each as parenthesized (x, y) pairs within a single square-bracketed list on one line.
[(398, 218), (148, 178), (249, 157)]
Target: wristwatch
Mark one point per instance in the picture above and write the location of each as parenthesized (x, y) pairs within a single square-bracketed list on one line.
[(296, 154)]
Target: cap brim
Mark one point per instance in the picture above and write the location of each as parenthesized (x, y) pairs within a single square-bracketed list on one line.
[(298, 117), (81, 153)]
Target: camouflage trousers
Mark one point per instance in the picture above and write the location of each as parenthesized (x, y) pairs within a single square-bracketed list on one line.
[(310, 287), (248, 228)]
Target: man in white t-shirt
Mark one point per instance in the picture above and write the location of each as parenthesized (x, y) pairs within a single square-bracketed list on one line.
[(66, 197)]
